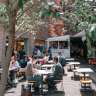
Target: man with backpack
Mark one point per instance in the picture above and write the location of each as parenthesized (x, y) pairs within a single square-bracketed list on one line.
[(62, 60)]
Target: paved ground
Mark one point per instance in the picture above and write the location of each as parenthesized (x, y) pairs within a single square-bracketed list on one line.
[(71, 86)]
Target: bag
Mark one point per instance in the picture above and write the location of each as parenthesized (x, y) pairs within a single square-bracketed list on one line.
[(62, 61), (26, 90)]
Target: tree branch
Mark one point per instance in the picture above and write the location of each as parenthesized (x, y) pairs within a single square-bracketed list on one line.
[(7, 6), (20, 26), (23, 33), (24, 11)]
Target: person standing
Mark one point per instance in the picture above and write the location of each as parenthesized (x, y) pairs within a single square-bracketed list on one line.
[(62, 60), (50, 52), (38, 53), (35, 52), (22, 53)]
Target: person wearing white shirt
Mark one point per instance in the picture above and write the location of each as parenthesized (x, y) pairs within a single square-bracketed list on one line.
[(14, 63)]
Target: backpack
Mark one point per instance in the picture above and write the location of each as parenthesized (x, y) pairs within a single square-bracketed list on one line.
[(62, 61), (26, 90)]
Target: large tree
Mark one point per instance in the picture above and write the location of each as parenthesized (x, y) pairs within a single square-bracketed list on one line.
[(17, 19)]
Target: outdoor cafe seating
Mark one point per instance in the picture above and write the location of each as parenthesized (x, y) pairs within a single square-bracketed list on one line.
[(44, 72)]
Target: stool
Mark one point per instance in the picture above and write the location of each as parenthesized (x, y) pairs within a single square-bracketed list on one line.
[(82, 76), (85, 82), (62, 86)]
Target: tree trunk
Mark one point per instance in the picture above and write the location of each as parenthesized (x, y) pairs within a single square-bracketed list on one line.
[(11, 35)]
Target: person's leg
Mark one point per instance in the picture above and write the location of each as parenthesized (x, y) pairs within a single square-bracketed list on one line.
[(37, 78), (14, 80), (50, 83)]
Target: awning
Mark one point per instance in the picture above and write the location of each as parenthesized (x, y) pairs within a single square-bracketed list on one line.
[(80, 34)]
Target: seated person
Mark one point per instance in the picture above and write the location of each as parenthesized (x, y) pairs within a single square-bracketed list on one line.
[(23, 62), (32, 75), (14, 63), (57, 75), (45, 59), (62, 60)]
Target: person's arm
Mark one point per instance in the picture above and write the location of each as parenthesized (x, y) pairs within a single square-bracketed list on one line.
[(55, 71), (17, 64)]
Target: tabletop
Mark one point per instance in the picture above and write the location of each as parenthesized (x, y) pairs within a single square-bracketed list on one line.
[(12, 68), (40, 59), (69, 59), (84, 70), (44, 72), (48, 65), (73, 63), (50, 61)]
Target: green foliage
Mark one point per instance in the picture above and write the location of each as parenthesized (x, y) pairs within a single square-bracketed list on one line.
[(26, 22), (20, 3), (3, 16)]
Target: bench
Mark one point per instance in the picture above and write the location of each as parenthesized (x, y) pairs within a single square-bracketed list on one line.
[(62, 86)]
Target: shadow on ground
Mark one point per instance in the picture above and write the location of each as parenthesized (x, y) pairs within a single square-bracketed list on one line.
[(57, 93), (88, 93)]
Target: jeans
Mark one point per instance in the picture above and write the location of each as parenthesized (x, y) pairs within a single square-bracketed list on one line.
[(37, 78)]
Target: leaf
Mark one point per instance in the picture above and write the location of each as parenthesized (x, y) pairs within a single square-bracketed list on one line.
[(20, 3), (87, 5), (39, 9), (83, 38), (89, 51), (60, 3), (55, 15), (25, 0), (43, 15)]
